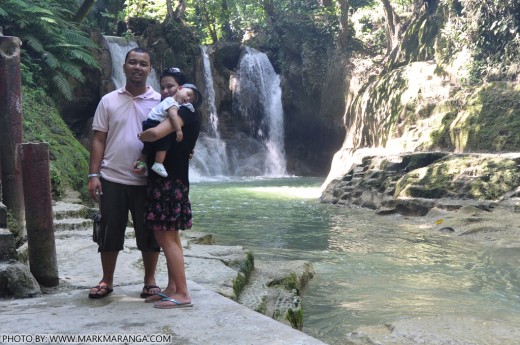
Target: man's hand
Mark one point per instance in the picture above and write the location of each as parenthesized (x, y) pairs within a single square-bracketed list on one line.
[(94, 188)]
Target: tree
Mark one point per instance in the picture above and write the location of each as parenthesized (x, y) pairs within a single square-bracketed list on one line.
[(227, 33), (84, 10), (344, 23), (392, 26), (180, 9)]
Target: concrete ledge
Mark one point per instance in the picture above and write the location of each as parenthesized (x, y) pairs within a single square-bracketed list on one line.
[(213, 319)]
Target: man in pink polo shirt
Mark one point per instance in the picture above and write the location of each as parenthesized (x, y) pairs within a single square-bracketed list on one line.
[(115, 148)]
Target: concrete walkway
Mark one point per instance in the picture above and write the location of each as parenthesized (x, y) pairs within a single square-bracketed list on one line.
[(123, 317), (213, 319)]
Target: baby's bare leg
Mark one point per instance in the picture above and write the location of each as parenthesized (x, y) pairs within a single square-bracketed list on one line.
[(159, 156)]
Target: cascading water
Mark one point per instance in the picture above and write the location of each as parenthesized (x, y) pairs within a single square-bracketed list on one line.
[(118, 47), (257, 99), (210, 95), (211, 158)]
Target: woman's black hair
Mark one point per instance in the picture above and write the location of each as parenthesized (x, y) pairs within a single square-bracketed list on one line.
[(176, 73)]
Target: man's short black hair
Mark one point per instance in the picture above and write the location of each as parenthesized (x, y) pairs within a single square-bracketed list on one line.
[(138, 50)]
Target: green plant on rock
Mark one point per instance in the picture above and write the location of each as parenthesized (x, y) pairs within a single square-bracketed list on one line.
[(262, 306), (68, 158), (238, 285), (245, 269), (295, 318), (15, 228), (474, 177), (291, 282)]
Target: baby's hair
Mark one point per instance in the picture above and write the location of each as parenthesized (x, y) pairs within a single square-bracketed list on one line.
[(176, 73)]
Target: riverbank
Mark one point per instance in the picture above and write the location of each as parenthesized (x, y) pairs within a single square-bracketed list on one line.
[(388, 279), (123, 317)]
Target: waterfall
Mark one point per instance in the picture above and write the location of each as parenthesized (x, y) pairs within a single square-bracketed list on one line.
[(210, 94), (118, 47), (257, 151), (211, 158), (258, 97)]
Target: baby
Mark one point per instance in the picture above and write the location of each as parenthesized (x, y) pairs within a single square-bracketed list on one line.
[(187, 95)]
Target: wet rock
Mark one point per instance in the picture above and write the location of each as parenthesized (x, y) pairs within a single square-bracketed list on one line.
[(447, 229), (274, 290), (7, 250)]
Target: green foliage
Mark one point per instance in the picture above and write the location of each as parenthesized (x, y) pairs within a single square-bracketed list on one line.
[(240, 16), (16, 229), (490, 29), (68, 158), (145, 9), (369, 28), (54, 48)]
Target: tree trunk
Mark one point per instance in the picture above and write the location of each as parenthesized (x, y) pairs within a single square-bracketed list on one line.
[(269, 8), (84, 10), (180, 9), (226, 27), (391, 26), (343, 35), (169, 10), (208, 22), (12, 130)]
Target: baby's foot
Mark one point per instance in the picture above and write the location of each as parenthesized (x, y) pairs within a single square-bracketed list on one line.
[(140, 165), (159, 169)]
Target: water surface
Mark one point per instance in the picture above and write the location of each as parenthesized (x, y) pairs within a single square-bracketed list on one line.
[(370, 270)]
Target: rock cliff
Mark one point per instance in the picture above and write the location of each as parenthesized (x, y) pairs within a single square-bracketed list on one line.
[(416, 128)]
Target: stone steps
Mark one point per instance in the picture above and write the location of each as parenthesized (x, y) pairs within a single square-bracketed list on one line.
[(77, 224), (72, 216)]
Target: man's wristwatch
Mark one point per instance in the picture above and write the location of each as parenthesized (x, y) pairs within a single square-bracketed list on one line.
[(93, 175)]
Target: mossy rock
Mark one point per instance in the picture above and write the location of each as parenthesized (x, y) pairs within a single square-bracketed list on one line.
[(480, 177), (244, 268), (479, 119), (68, 158), (490, 121)]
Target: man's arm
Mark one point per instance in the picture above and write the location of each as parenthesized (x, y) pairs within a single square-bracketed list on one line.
[(97, 152)]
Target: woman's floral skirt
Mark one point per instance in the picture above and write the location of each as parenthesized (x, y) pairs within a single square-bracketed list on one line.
[(168, 206)]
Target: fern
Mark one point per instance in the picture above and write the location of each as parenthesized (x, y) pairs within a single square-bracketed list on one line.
[(63, 85), (51, 41), (73, 71), (52, 61), (85, 57), (33, 42)]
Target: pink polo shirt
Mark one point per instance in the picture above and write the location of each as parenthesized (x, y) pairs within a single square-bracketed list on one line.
[(121, 115)]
